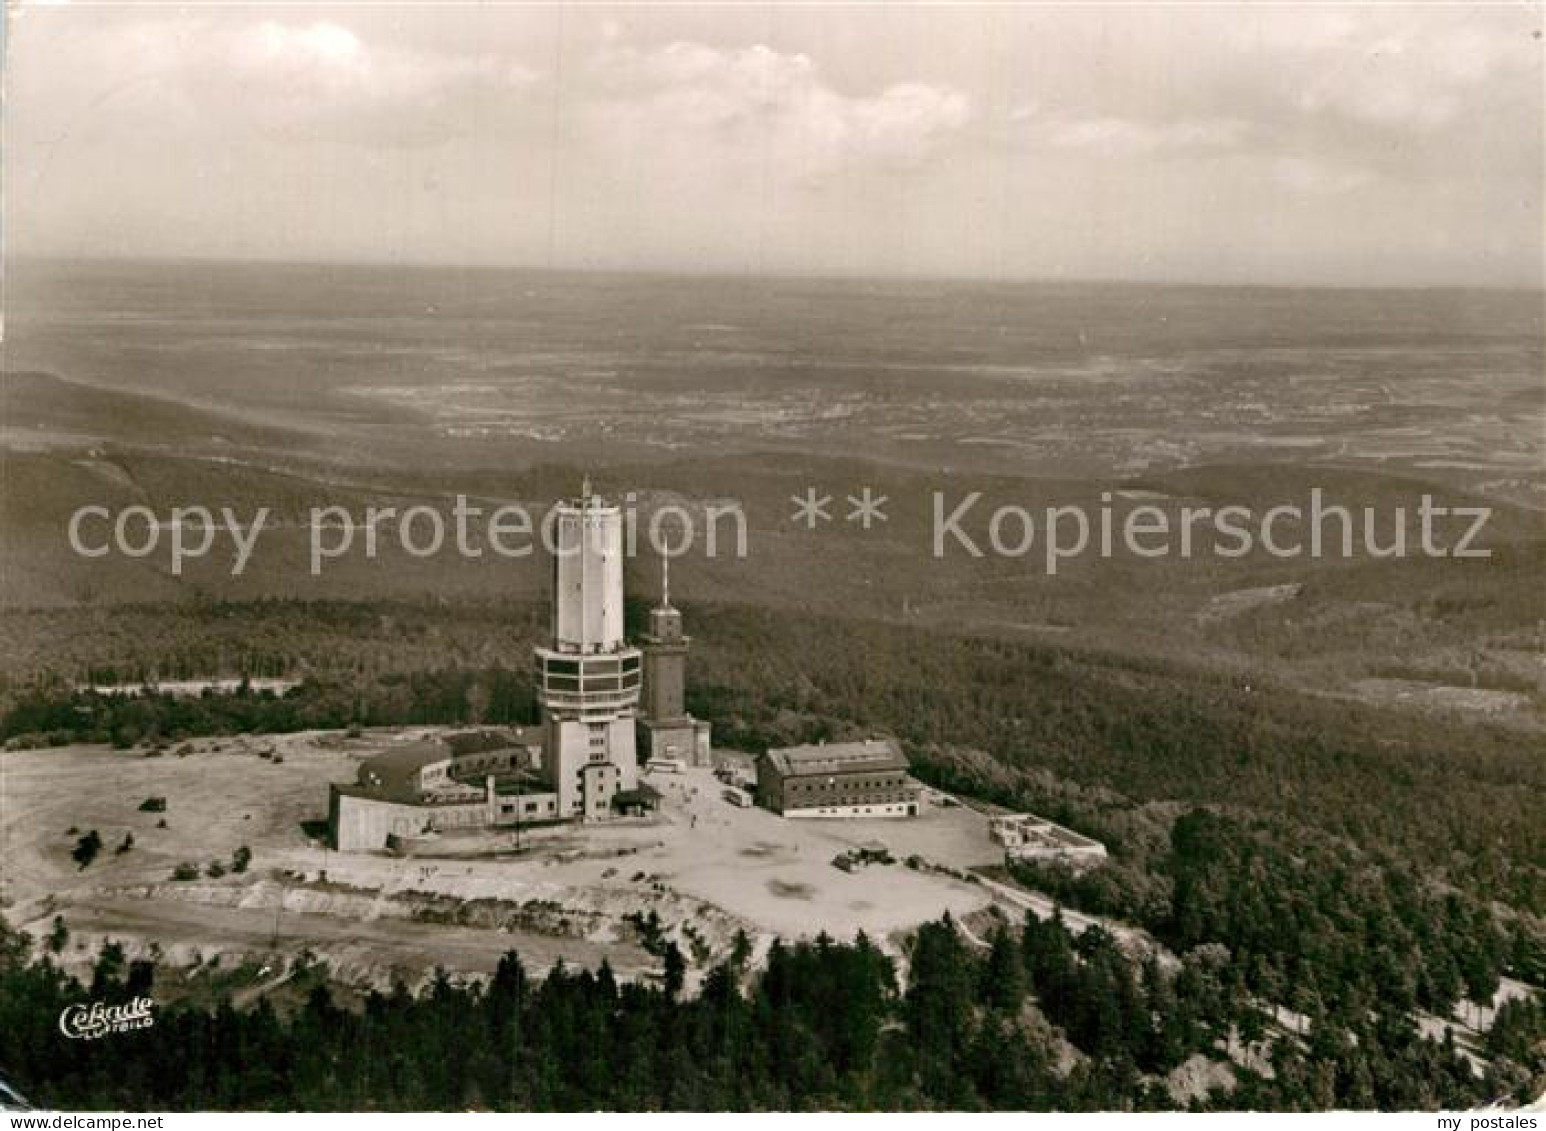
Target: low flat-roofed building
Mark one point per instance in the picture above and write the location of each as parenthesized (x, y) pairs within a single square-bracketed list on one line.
[(474, 779), (837, 779), (1026, 836)]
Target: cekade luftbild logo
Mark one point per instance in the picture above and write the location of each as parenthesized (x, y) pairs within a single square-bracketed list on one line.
[(85, 1021)]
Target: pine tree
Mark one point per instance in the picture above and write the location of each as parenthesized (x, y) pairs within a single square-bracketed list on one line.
[(1003, 974), (675, 970)]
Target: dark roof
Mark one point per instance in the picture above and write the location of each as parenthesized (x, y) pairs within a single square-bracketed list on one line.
[(830, 758), (645, 794), (399, 798), (494, 738), (521, 783), (393, 774)]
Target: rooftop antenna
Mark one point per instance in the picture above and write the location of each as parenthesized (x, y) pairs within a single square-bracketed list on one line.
[(665, 580), (585, 488)]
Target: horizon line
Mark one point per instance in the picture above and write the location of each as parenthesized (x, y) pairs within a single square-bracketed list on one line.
[(14, 258)]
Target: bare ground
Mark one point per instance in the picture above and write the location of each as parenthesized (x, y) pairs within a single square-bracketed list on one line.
[(706, 867)]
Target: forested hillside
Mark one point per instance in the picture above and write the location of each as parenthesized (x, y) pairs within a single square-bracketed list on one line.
[(1359, 868), (1458, 797), (822, 1025)]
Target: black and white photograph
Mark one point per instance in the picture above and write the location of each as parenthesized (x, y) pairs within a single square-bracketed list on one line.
[(775, 556)]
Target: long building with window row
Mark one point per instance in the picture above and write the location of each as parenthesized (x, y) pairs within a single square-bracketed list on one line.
[(839, 779)]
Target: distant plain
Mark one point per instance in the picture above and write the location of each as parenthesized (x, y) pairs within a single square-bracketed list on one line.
[(299, 386)]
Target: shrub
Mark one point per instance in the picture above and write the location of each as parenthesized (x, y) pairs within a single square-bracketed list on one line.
[(153, 805), (185, 872), (86, 849), (126, 736)]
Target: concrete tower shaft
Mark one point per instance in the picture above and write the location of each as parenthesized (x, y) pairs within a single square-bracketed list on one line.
[(588, 678), (587, 576)]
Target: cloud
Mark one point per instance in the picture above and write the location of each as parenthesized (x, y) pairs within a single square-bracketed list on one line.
[(323, 78), (776, 106), (296, 80), (326, 60), (1403, 81), (1392, 73), (1252, 139), (1126, 137), (1305, 176), (1316, 102)]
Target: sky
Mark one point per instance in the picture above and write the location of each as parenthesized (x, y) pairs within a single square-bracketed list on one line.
[(1262, 143)]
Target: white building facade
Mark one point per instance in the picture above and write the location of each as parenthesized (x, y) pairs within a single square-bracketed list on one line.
[(588, 676)]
